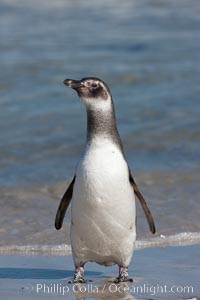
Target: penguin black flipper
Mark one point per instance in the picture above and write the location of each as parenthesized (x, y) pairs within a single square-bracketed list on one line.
[(143, 203), (64, 203)]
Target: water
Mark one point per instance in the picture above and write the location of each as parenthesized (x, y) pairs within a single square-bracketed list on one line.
[(149, 54)]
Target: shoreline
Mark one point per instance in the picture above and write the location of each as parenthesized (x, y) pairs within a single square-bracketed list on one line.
[(158, 273), (180, 239)]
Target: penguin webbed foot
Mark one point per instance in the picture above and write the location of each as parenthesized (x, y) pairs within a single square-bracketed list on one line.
[(120, 279), (79, 279), (79, 275), (123, 275)]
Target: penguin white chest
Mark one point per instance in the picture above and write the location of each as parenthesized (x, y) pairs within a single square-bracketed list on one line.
[(103, 206)]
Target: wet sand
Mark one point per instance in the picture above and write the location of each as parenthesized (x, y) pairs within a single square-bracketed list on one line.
[(158, 273), (148, 53)]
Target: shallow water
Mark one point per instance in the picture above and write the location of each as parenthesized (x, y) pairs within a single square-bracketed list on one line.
[(44, 277), (149, 54)]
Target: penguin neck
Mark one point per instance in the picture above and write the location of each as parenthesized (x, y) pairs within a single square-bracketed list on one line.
[(102, 123)]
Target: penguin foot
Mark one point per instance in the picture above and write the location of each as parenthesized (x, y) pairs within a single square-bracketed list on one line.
[(79, 275), (123, 275), (118, 280)]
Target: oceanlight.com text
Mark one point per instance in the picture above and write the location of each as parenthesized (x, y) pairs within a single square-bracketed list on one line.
[(112, 288)]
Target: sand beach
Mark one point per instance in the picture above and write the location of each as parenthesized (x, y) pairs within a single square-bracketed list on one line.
[(157, 273)]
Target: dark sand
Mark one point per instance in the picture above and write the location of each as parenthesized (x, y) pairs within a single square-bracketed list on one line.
[(159, 273)]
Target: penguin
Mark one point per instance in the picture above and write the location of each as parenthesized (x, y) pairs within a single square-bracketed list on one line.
[(102, 191)]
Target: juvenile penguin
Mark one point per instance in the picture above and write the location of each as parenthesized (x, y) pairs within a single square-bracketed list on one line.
[(103, 226)]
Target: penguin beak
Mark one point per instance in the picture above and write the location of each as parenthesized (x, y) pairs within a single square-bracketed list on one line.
[(74, 84)]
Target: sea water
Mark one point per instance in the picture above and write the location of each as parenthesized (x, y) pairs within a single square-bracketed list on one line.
[(148, 52)]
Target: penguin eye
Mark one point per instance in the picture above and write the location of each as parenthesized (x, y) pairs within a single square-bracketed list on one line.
[(94, 85)]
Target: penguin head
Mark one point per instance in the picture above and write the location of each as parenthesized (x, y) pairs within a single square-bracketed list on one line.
[(92, 91)]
